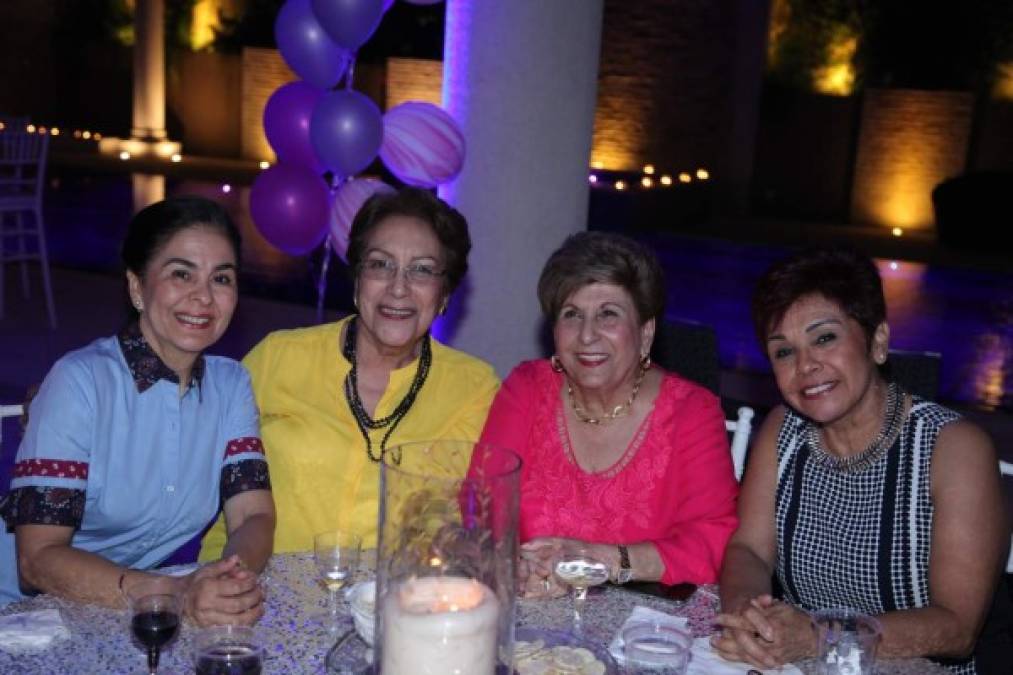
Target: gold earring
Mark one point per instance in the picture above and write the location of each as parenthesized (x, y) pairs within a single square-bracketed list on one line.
[(556, 363)]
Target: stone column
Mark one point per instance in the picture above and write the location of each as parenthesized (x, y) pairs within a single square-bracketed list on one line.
[(521, 79), (149, 70)]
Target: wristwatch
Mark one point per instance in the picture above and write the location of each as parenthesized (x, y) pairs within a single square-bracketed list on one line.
[(625, 573)]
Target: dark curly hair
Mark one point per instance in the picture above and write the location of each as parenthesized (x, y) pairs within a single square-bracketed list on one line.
[(602, 257), (840, 275), (449, 226)]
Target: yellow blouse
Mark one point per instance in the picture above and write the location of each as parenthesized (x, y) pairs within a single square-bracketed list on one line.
[(321, 476)]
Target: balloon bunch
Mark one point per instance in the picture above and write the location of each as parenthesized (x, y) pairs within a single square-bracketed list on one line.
[(324, 133)]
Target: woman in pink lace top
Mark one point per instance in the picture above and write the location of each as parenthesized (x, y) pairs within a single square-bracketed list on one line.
[(621, 459)]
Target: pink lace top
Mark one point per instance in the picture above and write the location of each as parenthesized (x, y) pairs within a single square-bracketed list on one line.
[(674, 486)]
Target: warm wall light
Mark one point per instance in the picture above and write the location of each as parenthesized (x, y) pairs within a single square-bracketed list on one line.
[(264, 164), (124, 155), (54, 131), (86, 135), (666, 180), (897, 231), (646, 182), (176, 157), (30, 128), (97, 136), (703, 174), (649, 169), (685, 177), (620, 185)]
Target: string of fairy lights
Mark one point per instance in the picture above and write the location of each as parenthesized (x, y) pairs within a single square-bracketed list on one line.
[(599, 177), (649, 178)]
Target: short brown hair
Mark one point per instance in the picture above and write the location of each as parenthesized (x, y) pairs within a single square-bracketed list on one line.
[(449, 226), (602, 257), (840, 275)]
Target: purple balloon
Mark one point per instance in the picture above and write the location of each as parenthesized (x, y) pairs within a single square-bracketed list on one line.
[(422, 144), (305, 46), (287, 124), (348, 22), (290, 206), (387, 4), (346, 131)]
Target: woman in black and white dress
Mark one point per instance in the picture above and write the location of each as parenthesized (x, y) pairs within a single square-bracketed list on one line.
[(857, 494)]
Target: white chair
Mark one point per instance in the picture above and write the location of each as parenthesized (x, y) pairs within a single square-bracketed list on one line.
[(740, 430), (1006, 469), (5, 412), (22, 175)]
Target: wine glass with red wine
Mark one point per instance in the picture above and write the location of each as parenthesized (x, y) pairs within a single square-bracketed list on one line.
[(154, 615)]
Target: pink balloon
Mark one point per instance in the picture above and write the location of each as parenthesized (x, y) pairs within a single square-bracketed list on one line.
[(347, 201), (422, 145), (289, 205)]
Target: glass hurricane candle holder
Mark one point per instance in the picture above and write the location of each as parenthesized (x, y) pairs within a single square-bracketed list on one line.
[(446, 556)]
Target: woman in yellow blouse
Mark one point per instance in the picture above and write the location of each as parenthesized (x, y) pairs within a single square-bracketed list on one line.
[(334, 398)]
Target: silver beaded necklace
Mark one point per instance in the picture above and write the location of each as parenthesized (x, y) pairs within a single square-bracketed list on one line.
[(893, 412)]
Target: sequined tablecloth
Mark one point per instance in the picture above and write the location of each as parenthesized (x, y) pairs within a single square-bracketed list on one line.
[(100, 639)]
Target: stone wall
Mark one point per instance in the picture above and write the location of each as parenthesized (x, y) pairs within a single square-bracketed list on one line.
[(664, 84), (909, 142), (413, 80), (263, 71), (210, 103)]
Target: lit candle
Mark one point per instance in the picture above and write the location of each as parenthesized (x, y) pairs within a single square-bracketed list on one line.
[(440, 626)]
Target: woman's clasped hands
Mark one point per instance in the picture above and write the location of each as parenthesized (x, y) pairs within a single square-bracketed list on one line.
[(223, 592), (765, 633)]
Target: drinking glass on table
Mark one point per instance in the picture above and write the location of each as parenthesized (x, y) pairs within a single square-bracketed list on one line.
[(155, 609), (336, 555), (580, 571), (228, 650), (846, 642)]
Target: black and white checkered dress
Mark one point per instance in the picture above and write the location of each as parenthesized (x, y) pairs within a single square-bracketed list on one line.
[(859, 540)]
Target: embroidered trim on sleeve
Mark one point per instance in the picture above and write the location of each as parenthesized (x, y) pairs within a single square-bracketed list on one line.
[(36, 505), (51, 468), (239, 446), (247, 474)]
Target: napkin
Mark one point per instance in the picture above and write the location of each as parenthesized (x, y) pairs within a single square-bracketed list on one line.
[(705, 661), (638, 615), (31, 630)]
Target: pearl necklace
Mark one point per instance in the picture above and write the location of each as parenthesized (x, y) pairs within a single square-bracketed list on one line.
[(362, 418), (893, 413), (618, 411)]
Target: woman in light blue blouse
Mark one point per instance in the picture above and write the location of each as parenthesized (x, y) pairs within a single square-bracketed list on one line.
[(136, 441)]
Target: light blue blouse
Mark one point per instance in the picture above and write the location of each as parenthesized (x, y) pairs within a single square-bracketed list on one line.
[(149, 462)]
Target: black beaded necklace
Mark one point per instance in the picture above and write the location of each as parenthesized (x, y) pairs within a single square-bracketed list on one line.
[(362, 418)]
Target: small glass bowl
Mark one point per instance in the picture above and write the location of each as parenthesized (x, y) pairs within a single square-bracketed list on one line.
[(655, 645)]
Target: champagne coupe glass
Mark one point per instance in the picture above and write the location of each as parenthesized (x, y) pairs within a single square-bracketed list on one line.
[(580, 571), (336, 554), (154, 615)]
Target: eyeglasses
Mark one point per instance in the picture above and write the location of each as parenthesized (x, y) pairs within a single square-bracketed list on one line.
[(380, 269)]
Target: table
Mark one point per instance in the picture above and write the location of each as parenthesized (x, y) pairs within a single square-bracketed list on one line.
[(295, 645)]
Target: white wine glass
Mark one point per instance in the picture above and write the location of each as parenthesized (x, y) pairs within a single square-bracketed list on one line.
[(336, 555), (580, 571)]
